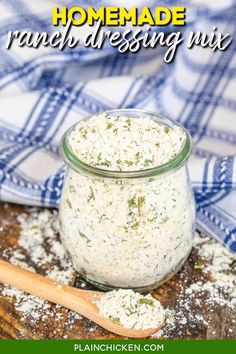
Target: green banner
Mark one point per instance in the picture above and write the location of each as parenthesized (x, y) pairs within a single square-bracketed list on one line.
[(117, 346)]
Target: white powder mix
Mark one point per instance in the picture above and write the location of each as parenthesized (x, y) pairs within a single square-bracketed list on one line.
[(144, 225), (39, 237), (131, 310), (221, 264), (39, 248), (125, 144), (28, 305), (222, 268), (183, 319), (213, 295)]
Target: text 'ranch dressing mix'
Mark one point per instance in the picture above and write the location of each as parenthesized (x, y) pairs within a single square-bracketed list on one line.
[(127, 213)]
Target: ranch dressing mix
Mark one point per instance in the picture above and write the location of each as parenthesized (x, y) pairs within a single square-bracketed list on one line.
[(127, 212)]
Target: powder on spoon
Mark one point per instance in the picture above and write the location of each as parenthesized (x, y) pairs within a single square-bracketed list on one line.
[(131, 309)]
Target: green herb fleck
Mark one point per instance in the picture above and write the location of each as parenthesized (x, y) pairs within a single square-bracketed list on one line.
[(109, 125), (99, 156), (147, 162), (131, 202), (167, 129), (105, 163), (115, 319), (226, 272), (199, 266), (68, 203), (141, 200), (84, 236), (135, 225), (129, 163), (91, 195), (165, 220), (128, 122), (146, 301), (72, 189), (83, 132)]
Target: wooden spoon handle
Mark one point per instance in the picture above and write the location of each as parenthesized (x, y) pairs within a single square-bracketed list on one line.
[(81, 301), (38, 285)]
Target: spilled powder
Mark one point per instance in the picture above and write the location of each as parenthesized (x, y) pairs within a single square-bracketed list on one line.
[(221, 287), (40, 249), (214, 291)]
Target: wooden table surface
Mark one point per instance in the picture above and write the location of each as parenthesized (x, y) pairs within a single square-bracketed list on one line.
[(220, 321)]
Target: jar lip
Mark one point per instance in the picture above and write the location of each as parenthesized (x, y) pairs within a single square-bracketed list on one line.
[(179, 160)]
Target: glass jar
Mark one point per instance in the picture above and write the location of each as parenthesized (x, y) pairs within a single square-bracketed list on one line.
[(129, 229)]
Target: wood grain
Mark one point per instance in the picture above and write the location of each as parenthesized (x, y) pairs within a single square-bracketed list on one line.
[(220, 321)]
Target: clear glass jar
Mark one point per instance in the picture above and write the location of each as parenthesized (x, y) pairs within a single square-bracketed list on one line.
[(127, 229)]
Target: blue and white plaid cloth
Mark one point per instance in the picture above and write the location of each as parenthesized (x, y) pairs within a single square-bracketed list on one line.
[(44, 91)]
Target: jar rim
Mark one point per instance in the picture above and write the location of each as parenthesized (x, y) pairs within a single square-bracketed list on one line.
[(178, 161)]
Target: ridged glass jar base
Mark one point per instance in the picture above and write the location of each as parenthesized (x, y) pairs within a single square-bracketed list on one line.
[(140, 289)]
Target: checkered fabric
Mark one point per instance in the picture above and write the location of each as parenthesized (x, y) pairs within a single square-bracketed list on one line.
[(44, 91)]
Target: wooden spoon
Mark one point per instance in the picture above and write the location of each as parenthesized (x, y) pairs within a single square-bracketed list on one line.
[(81, 301)]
